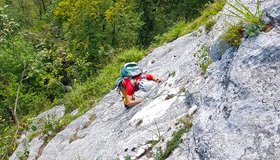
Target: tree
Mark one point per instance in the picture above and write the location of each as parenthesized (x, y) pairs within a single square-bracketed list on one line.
[(123, 22)]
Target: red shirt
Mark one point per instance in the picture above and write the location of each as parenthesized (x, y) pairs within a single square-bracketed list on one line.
[(129, 87)]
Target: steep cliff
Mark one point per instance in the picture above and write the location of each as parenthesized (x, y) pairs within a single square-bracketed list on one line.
[(237, 102)]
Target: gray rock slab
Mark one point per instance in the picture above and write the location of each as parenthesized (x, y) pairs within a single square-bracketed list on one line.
[(237, 113)]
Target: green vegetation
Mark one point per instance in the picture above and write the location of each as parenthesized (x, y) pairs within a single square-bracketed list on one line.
[(127, 158), (186, 121), (158, 135), (65, 52), (202, 58), (209, 24), (175, 140), (23, 155), (171, 144), (160, 15), (241, 11), (184, 27), (172, 74), (251, 30), (233, 35), (249, 26)]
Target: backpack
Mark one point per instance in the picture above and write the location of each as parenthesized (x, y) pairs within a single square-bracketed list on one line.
[(129, 70)]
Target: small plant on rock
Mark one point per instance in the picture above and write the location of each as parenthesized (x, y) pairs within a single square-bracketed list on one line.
[(202, 58), (209, 24), (249, 26), (158, 135), (171, 144), (127, 157), (243, 12), (251, 30), (186, 121), (233, 35)]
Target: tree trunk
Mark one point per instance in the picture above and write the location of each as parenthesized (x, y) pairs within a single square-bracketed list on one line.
[(14, 112)]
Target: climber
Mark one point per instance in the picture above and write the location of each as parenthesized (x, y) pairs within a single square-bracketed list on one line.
[(133, 79)]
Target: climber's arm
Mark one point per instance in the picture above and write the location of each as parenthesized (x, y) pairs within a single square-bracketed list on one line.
[(131, 101), (152, 77)]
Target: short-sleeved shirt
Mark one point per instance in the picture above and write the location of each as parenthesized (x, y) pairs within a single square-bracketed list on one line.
[(128, 89)]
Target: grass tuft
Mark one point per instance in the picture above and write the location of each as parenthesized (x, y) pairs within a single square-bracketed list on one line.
[(171, 144), (209, 24), (249, 26), (241, 11), (233, 35)]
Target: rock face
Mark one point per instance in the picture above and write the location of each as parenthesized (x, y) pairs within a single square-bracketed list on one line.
[(239, 115), (34, 146), (118, 132), (237, 101)]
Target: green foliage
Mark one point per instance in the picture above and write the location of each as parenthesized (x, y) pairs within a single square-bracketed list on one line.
[(171, 145), (23, 155), (183, 27), (209, 24), (159, 16), (174, 142), (13, 62), (49, 126), (7, 25), (233, 35), (7, 136), (251, 30), (32, 135), (173, 33), (249, 26), (157, 134), (123, 24), (127, 158), (62, 123), (203, 59), (186, 121), (243, 12), (102, 26)]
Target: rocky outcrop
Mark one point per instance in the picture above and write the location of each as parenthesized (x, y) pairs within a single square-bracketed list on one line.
[(239, 114), (33, 148), (237, 103)]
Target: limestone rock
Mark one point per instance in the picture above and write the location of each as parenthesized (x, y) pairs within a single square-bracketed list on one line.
[(237, 102)]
